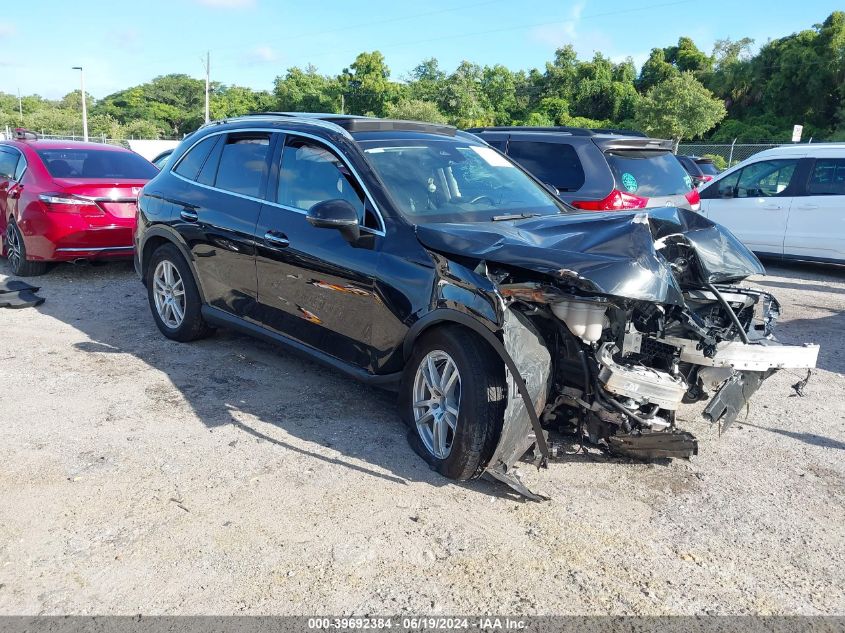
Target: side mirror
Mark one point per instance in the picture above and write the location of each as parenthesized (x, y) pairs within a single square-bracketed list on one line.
[(335, 214)]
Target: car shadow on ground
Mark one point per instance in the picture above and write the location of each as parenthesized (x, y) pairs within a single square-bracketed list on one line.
[(808, 438), (231, 379)]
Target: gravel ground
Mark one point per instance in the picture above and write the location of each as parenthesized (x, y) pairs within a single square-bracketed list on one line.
[(228, 477)]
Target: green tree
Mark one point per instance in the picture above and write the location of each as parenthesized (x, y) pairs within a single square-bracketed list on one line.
[(655, 70), (463, 99), (366, 85), (415, 110), (307, 91), (679, 108)]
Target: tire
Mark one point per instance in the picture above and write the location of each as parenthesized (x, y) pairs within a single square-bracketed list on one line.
[(15, 250), (170, 281), (480, 401)]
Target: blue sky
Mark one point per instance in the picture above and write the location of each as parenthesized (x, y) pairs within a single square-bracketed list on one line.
[(251, 41)]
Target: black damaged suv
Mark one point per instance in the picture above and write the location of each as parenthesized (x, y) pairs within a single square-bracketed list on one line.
[(417, 257)]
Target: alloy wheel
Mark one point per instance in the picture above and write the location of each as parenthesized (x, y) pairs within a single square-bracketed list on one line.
[(169, 294), (13, 247), (437, 402)]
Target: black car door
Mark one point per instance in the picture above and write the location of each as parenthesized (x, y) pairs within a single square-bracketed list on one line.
[(313, 285), (218, 212)]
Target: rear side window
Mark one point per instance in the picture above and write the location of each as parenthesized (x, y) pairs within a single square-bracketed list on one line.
[(243, 163), (191, 163), (553, 163), (8, 163), (20, 169), (96, 163), (648, 173), (828, 178)]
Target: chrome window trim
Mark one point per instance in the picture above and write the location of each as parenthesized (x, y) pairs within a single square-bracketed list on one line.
[(332, 146)]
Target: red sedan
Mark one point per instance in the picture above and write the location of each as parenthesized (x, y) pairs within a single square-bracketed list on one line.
[(65, 201)]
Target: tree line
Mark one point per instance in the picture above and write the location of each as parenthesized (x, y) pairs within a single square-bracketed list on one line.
[(680, 92)]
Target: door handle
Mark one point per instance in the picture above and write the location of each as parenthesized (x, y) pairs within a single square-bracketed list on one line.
[(276, 239), (771, 207), (188, 215)]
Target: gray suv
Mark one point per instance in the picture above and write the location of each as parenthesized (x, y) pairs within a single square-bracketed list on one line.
[(598, 170)]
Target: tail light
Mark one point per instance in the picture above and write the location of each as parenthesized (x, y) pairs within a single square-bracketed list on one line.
[(616, 201), (69, 203), (694, 199)]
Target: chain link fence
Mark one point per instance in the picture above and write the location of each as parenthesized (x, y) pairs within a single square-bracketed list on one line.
[(729, 153)]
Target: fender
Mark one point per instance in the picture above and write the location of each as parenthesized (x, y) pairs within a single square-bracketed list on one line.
[(172, 236), (446, 315)]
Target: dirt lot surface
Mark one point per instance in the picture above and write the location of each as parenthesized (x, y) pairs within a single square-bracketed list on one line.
[(227, 477)]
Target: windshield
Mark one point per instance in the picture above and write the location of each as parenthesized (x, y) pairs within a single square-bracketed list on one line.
[(455, 180), (93, 163), (648, 173)]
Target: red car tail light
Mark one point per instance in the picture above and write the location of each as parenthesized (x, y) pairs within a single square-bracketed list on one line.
[(68, 203), (694, 199), (616, 201)]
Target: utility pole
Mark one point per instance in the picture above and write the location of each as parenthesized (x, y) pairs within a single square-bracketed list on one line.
[(20, 106), (84, 105), (207, 65)]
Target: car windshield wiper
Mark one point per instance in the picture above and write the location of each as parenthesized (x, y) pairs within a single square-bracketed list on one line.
[(513, 216)]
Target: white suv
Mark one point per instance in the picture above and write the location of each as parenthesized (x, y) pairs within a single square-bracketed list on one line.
[(786, 202)]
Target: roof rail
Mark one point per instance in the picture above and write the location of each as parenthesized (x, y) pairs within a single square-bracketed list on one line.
[(348, 123), (323, 120)]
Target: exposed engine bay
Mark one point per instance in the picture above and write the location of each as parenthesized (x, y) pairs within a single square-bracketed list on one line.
[(620, 369), (647, 315)]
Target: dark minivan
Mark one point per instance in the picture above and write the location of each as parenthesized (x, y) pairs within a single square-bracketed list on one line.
[(598, 170)]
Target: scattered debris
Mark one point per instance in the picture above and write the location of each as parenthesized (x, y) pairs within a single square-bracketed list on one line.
[(18, 294)]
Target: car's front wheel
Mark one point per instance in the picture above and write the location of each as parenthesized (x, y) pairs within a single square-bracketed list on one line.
[(453, 399), (173, 295), (16, 254)]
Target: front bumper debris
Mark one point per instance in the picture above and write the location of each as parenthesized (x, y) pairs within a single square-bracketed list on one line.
[(760, 355), (732, 397), (662, 445)]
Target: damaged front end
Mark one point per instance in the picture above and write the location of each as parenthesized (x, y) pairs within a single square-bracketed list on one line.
[(613, 322)]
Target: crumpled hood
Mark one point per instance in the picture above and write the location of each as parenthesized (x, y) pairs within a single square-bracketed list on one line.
[(607, 253)]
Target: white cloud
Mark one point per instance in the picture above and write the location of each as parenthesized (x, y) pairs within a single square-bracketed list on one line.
[(227, 4), (561, 33), (262, 55), (7, 29)]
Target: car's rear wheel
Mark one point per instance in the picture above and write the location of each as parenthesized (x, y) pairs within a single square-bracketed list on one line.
[(174, 298), (16, 254), (453, 399)]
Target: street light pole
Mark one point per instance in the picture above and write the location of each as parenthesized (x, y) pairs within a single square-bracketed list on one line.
[(84, 105)]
